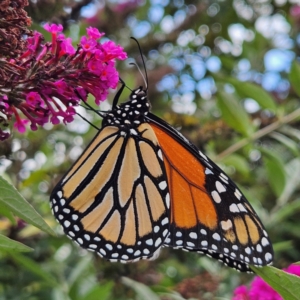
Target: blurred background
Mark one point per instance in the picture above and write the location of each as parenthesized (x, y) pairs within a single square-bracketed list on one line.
[(224, 73)]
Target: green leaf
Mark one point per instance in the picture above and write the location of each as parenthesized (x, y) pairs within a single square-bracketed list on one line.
[(12, 199), (142, 291), (233, 113), (285, 212), (11, 245), (294, 77), (254, 91), (5, 211), (275, 171), (238, 162), (286, 141), (102, 291), (285, 284), (33, 267)]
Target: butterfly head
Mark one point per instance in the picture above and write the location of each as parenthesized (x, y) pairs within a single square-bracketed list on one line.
[(130, 113)]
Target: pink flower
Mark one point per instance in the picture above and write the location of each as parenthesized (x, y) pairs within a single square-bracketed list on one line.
[(53, 28), (87, 44), (61, 76), (94, 33), (33, 98), (67, 47), (260, 290), (241, 293)]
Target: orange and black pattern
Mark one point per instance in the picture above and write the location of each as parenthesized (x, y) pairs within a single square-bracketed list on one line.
[(140, 185)]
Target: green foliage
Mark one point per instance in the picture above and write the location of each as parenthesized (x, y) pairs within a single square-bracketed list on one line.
[(287, 285), (17, 204)]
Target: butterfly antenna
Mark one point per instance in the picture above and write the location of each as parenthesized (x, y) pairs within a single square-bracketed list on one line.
[(144, 64), (85, 119), (118, 94)]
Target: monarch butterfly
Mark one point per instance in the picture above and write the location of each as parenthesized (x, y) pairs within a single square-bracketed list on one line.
[(140, 185)]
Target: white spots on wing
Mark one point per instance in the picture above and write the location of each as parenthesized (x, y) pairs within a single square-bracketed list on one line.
[(203, 231), (67, 223), (133, 131), (264, 241), (248, 250), (178, 234), (220, 187), (156, 229), (258, 248), (208, 171), (102, 251), (168, 200), (59, 194), (146, 251), (268, 256), (179, 242), (190, 244), (71, 233), (76, 228), (93, 246), (115, 255), (215, 195), (235, 247), (238, 194), (97, 239), (62, 202), (159, 153), (74, 217), (149, 242), (167, 241), (204, 156), (80, 241), (193, 235), (165, 232), (226, 250), (137, 252), (233, 208), (165, 221), (226, 224), (109, 246), (60, 217), (216, 236), (87, 237), (241, 207), (214, 247), (66, 210), (158, 242), (259, 261), (162, 185), (204, 243)]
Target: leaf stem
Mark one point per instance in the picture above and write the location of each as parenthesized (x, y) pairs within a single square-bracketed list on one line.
[(258, 134)]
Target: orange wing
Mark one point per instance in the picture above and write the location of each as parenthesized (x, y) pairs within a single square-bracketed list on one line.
[(208, 212)]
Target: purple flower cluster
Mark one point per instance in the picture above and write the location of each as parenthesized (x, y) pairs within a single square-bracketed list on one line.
[(48, 80), (260, 290)]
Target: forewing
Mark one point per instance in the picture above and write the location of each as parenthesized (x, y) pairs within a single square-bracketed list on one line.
[(114, 200), (209, 214)]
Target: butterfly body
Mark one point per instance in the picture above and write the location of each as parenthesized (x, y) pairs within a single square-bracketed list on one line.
[(141, 185)]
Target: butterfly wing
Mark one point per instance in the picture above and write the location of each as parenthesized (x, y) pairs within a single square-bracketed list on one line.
[(115, 200), (208, 212)]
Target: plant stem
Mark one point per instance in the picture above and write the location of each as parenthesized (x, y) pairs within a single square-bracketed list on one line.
[(258, 134)]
